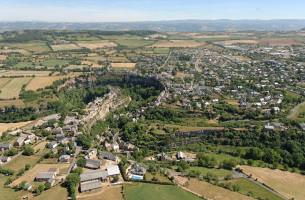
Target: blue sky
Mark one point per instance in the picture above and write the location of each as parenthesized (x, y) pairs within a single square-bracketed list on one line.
[(146, 10)]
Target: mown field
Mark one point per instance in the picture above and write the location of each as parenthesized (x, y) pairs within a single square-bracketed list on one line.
[(210, 191), (256, 191), (142, 191), (291, 185), (12, 89)]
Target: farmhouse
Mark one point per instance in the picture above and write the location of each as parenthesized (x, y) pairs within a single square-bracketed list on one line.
[(5, 146), (93, 164), (94, 175), (90, 185)]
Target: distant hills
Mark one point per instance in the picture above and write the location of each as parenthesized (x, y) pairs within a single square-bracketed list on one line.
[(166, 26)]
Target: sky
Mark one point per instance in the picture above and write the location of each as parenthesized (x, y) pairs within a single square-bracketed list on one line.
[(148, 10)]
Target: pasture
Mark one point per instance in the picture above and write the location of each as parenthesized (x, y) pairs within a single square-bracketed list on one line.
[(12, 89), (178, 44), (279, 180), (34, 46), (142, 191), (221, 173), (210, 191)]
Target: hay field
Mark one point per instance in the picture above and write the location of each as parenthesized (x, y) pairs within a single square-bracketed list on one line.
[(21, 73), (178, 44), (63, 47), (11, 102), (97, 44), (123, 65), (210, 191), (12, 126), (279, 180), (42, 82), (29, 176), (12, 89)]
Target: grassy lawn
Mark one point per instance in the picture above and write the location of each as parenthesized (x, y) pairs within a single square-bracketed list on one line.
[(142, 191), (221, 173), (256, 191)]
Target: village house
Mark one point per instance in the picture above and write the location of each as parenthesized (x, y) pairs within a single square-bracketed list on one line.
[(4, 159), (94, 175), (64, 158), (90, 185), (113, 170), (52, 145), (48, 177), (93, 164), (107, 156), (20, 140), (91, 154), (136, 172), (5, 146)]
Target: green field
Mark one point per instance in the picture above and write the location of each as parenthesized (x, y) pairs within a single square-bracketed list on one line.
[(133, 43), (221, 173), (256, 191), (24, 65), (142, 191), (12, 89), (51, 63)]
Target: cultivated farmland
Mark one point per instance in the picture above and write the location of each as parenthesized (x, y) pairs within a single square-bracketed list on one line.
[(123, 65), (64, 47)]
